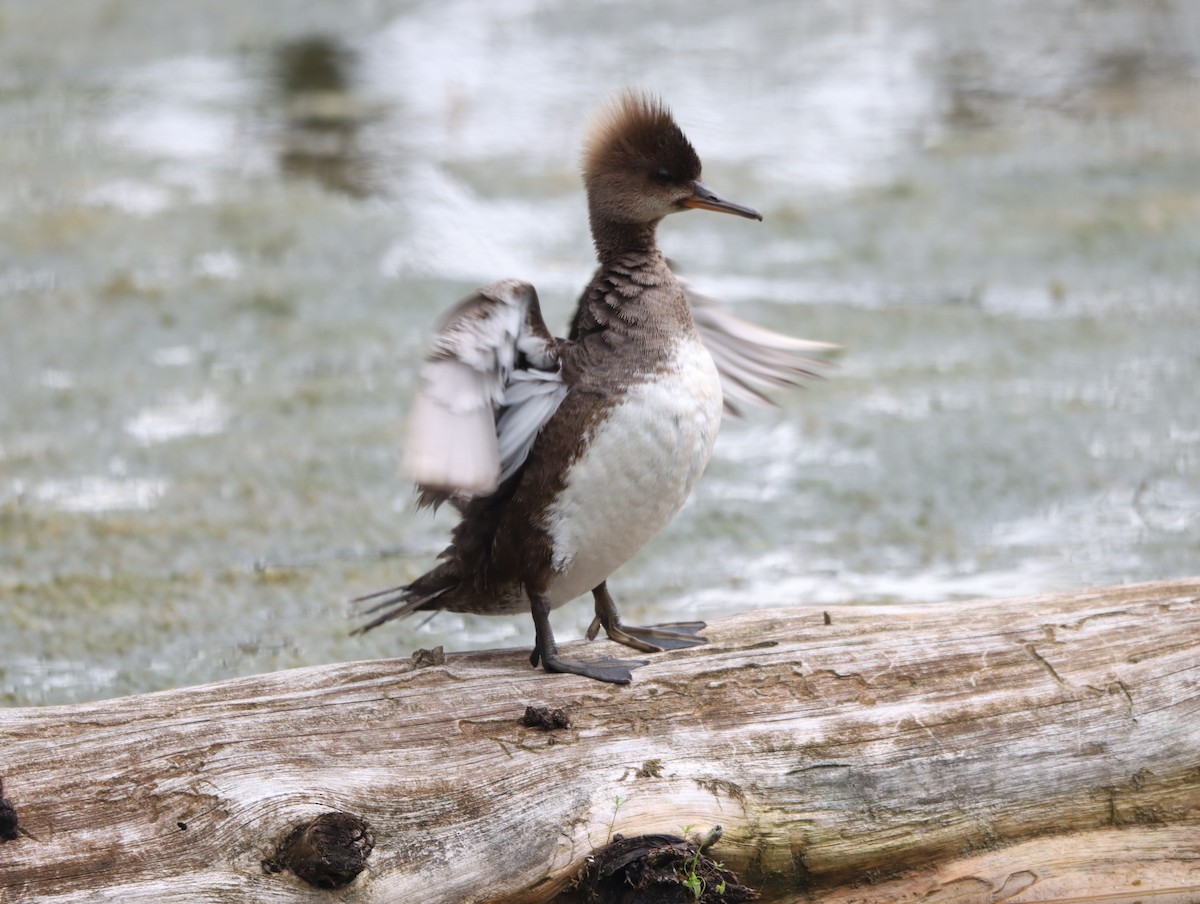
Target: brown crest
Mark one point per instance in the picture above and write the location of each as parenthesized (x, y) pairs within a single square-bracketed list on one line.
[(637, 132)]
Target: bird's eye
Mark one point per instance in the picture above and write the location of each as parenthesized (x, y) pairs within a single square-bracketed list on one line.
[(663, 176)]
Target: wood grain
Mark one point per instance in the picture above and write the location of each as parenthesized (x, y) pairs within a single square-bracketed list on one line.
[(968, 750)]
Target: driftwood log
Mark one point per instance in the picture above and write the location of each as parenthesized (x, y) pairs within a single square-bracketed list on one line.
[(1037, 749)]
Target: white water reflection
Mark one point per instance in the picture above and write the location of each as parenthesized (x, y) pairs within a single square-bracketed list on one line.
[(96, 494), (174, 356), (136, 197), (223, 264), (186, 109), (774, 583), (177, 418)]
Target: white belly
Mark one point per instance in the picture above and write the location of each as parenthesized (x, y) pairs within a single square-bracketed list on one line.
[(639, 468)]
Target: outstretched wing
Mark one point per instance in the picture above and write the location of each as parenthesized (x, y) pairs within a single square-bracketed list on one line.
[(489, 385), (750, 360)]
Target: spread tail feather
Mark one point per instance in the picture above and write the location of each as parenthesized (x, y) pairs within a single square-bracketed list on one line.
[(397, 602)]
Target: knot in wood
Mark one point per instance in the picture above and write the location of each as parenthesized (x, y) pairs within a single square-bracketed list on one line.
[(326, 852)]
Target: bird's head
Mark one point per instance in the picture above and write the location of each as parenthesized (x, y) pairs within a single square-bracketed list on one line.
[(639, 166)]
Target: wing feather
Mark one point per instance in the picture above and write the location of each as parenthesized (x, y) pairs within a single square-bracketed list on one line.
[(532, 397), (751, 360), (489, 385)]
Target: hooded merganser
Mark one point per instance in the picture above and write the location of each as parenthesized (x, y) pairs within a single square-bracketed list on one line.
[(565, 457)]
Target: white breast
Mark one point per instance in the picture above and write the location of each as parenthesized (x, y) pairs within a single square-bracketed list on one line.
[(637, 470)]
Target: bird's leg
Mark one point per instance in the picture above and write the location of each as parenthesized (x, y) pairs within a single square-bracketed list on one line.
[(545, 651), (651, 639)]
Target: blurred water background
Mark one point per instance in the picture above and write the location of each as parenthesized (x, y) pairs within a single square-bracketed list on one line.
[(226, 229)]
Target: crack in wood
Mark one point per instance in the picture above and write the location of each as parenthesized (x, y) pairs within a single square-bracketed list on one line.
[(1044, 663)]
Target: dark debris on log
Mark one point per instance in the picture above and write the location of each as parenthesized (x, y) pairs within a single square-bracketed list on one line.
[(660, 869), (10, 825)]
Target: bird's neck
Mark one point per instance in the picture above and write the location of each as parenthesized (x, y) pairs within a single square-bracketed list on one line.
[(634, 292), (617, 241)]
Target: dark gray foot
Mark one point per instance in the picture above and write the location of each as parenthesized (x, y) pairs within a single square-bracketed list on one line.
[(545, 652), (650, 639), (614, 671)]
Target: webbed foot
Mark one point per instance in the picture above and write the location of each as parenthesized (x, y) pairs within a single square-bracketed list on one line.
[(614, 671), (649, 639), (545, 652)]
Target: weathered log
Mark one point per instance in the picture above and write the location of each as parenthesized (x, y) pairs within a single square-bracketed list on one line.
[(1036, 749)]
